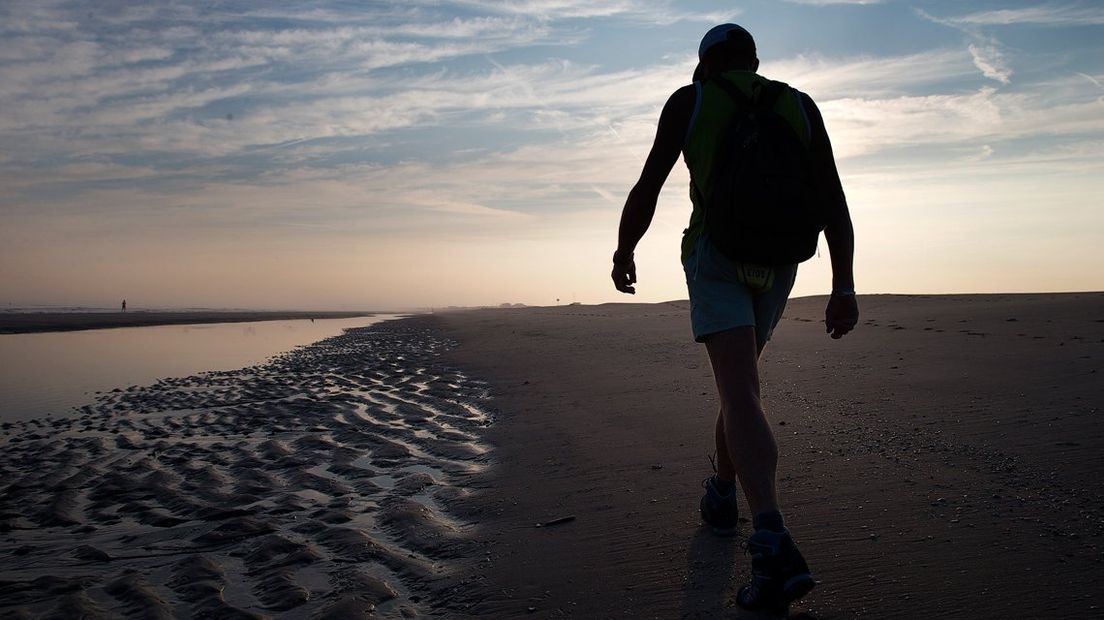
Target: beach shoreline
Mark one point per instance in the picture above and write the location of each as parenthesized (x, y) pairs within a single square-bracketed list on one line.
[(37, 322)]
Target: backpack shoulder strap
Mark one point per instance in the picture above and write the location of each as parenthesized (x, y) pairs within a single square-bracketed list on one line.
[(735, 94), (768, 96)]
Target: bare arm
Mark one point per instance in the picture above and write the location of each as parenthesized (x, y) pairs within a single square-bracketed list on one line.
[(640, 206), (842, 313)]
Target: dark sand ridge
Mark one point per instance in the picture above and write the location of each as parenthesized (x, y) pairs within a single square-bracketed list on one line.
[(28, 322), (940, 462), (309, 486)]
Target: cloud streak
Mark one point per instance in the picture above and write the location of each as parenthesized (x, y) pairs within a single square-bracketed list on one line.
[(834, 2), (989, 59), (1051, 15)]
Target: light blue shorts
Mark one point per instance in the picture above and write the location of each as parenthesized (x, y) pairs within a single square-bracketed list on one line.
[(719, 301)]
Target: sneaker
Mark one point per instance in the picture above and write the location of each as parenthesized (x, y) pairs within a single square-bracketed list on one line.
[(779, 574), (719, 510)]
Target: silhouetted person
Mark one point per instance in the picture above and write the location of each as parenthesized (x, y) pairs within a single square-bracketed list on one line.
[(124, 305), (740, 252)]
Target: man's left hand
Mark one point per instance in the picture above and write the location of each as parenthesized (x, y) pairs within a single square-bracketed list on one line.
[(841, 315)]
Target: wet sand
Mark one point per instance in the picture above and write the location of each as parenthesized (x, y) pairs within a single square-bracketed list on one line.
[(30, 322), (943, 461), (313, 485)]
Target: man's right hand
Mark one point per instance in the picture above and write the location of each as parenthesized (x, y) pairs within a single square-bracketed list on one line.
[(841, 315), (624, 276)]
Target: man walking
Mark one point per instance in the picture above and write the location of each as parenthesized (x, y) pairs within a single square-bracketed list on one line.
[(746, 234)]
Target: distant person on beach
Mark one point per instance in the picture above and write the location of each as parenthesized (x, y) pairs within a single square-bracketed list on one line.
[(124, 305), (763, 184)]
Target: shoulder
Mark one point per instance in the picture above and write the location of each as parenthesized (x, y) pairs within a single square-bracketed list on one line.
[(807, 103), (677, 112), (808, 106), (681, 102), (805, 99), (816, 119)]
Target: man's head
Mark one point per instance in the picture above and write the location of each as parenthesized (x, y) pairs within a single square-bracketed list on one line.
[(727, 47)]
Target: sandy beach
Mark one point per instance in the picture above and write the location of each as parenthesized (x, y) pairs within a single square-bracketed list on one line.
[(940, 462), (31, 322)]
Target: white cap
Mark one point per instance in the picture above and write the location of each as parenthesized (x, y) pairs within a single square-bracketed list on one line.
[(722, 33)]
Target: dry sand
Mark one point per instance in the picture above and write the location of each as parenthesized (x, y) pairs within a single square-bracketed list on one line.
[(940, 462), (27, 322), (943, 461)]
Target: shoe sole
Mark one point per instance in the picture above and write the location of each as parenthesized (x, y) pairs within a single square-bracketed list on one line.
[(797, 587), (794, 589)]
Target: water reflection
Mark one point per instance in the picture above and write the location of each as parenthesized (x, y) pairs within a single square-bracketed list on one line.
[(50, 373)]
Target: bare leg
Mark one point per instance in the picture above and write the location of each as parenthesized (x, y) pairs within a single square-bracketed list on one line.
[(725, 469), (743, 432)]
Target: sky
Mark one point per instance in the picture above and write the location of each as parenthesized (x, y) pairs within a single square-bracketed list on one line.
[(425, 153)]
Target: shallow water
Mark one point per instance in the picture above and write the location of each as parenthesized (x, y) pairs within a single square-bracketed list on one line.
[(45, 374)]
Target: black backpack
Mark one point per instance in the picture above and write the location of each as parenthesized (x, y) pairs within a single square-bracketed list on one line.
[(762, 206)]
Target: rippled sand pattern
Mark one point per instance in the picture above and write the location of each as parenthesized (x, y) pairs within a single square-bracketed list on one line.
[(311, 486)]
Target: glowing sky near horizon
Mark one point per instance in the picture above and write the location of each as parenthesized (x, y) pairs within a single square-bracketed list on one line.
[(465, 152)]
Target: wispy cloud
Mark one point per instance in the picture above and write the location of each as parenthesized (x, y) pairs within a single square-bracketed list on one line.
[(881, 76), (554, 9), (987, 52), (1094, 81), (831, 2), (1048, 15), (989, 59), (662, 12), (870, 126)]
